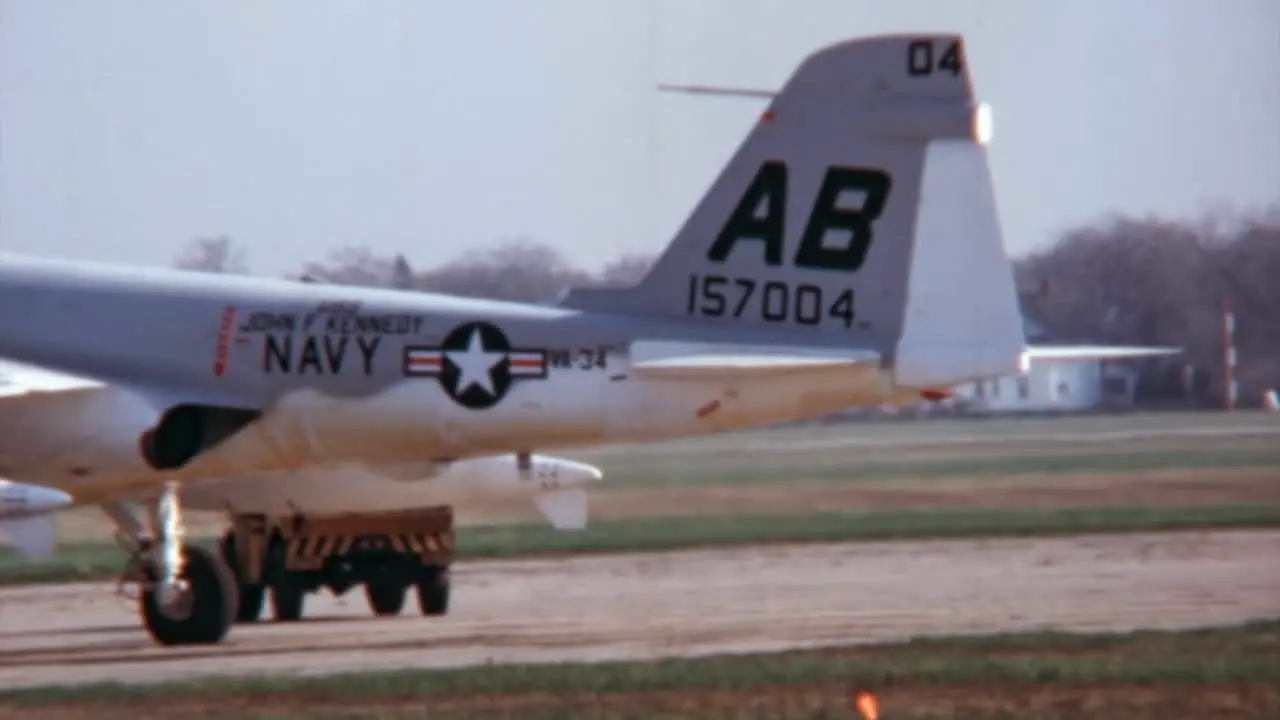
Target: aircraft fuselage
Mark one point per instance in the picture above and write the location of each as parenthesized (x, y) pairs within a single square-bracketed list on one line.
[(345, 375)]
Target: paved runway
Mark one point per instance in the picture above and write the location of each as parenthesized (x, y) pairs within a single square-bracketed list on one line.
[(683, 603)]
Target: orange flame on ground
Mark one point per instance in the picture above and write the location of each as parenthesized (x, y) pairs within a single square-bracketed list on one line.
[(867, 705)]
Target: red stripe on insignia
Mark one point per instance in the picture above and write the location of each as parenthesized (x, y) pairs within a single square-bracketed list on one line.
[(424, 361), (528, 362)]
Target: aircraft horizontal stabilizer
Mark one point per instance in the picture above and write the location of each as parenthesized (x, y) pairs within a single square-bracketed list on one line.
[(32, 537), (702, 367), (564, 509), (709, 361), (1067, 353)]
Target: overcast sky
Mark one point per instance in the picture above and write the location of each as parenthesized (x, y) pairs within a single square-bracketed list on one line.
[(424, 126)]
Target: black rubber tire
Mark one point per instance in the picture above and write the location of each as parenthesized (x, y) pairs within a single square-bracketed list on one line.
[(214, 601), (252, 596), (433, 591), (288, 594), (386, 597), (287, 599)]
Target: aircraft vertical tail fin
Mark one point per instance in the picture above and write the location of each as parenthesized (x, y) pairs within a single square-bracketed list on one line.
[(858, 212)]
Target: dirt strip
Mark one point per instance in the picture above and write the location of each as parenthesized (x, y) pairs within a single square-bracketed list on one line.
[(650, 605)]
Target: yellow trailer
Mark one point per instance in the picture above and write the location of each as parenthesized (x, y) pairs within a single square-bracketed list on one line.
[(293, 555)]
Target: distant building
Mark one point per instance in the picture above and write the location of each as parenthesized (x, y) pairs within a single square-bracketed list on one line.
[(1062, 387), (1053, 387)]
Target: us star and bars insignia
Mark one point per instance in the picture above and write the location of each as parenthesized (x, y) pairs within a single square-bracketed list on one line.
[(475, 364)]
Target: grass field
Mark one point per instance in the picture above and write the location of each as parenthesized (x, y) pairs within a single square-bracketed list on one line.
[(856, 481), (1220, 673), (95, 561), (865, 480), (878, 451), (1009, 432)]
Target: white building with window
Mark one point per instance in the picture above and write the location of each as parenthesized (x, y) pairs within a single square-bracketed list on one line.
[(1053, 387)]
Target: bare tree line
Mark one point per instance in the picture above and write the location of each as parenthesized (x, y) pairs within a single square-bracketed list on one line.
[(1156, 282), (1126, 281), (518, 269)]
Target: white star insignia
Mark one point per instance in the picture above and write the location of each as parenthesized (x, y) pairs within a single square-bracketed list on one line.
[(475, 365)]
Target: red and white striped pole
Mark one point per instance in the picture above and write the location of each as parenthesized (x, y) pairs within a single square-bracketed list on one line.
[(1231, 388)]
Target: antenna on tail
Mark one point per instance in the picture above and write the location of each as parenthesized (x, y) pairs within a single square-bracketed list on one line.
[(721, 91)]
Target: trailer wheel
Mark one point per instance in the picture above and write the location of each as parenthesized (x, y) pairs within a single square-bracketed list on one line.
[(287, 591), (287, 596), (433, 591), (251, 594), (386, 596), (252, 598)]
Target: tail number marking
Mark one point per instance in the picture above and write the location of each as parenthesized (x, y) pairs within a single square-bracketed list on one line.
[(772, 301), (831, 213), (921, 54)]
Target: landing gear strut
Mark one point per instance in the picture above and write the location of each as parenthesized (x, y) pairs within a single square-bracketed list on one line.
[(187, 594)]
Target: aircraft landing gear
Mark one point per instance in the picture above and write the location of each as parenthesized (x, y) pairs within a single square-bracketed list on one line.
[(199, 613), (188, 594)]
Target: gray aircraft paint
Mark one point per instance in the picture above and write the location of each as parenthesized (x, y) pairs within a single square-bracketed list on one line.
[(860, 106)]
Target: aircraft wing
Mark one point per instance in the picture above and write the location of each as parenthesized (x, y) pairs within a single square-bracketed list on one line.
[(705, 361), (23, 379), (50, 419), (1067, 353)]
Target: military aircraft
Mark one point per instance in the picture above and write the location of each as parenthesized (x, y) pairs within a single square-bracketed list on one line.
[(52, 414), (58, 411), (848, 254)]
